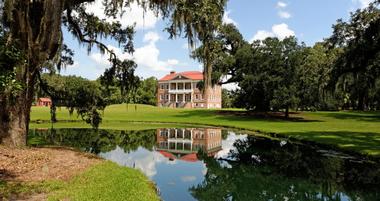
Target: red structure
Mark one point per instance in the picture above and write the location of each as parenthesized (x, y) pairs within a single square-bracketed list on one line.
[(184, 144), (179, 90), (44, 102)]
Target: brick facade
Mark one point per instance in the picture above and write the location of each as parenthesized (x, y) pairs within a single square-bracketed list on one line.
[(179, 90), (180, 143), (44, 102)]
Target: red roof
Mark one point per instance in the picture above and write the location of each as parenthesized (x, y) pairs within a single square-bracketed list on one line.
[(44, 99), (193, 75), (167, 155), (190, 157)]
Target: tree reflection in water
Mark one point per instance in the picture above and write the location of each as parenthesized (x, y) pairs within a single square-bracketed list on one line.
[(94, 141), (264, 169), (256, 168)]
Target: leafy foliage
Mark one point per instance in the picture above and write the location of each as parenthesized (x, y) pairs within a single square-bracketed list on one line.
[(36, 27), (226, 44), (146, 92), (267, 169), (268, 76), (94, 141), (77, 94), (121, 76), (357, 69), (342, 72)]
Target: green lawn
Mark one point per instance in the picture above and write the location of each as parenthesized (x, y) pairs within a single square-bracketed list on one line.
[(355, 131), (106, 181)]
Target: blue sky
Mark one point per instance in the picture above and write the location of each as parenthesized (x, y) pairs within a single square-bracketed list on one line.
[(309, 20)]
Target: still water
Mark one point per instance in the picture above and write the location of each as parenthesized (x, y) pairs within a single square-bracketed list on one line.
[(216, 164)]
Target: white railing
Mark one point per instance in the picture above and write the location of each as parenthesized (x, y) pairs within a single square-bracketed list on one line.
[(180, 91)]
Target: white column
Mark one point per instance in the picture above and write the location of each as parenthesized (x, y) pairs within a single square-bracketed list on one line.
[(176, 97)]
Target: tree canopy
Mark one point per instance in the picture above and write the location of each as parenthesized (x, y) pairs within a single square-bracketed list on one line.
[(35, 28), (357, 69), (341, 72)]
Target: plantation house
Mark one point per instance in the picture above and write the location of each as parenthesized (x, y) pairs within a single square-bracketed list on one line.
[(184, 144), (179, 90)]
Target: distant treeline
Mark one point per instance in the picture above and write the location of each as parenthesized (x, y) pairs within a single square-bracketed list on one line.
[(341, 72)]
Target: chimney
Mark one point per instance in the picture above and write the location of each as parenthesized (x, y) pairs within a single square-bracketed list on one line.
[(172, 72)]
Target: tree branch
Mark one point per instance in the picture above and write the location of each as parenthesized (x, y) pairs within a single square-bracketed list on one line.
[(82, 37)]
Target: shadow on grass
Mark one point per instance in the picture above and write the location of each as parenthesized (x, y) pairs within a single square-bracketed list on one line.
[(362, 142), (243, 116), (359, 116)]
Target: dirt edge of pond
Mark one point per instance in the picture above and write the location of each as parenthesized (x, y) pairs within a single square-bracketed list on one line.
[(28, 165)]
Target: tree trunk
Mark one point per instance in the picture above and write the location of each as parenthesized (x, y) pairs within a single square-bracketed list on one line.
[(36, 27), (14, 118), (287, 112)]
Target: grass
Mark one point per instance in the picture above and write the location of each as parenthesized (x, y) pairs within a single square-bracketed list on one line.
[(106, 181), (22, 189), (354, 131)]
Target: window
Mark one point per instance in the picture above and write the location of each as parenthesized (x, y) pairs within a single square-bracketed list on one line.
[(188, 86), (180, 86), (162, 97), (173, 86), (162, 86)]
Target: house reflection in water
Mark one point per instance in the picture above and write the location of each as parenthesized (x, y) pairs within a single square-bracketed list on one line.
[(184, 144)]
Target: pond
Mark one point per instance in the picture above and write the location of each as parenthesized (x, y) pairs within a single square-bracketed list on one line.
[(219, 164)]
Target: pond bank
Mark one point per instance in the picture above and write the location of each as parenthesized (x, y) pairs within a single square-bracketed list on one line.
[(209, 163), (366, 149), (59, 173), (354, 131)]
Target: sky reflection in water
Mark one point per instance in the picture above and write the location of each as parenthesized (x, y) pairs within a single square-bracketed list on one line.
[(183, 164)]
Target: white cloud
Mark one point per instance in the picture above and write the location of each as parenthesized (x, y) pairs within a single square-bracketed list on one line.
[(141, 159), (188, 178), (173, 62), (261, 35), (185, 46), (227, 19), (200, 67), (146, 57), (102, 59), (135, 14), (230, 86), (284, 14), (151, 37), (280, 31), (362, 3), (281, 4), (228, 144), (75, 65)]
